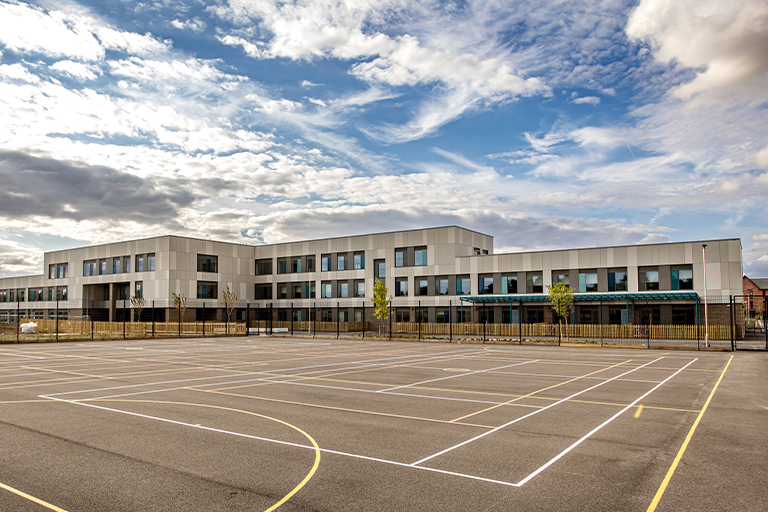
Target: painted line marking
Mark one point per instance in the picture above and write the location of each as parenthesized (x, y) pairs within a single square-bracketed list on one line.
[(680, 453), (606, 422), (31, 498), (454, 376), (450, 448)]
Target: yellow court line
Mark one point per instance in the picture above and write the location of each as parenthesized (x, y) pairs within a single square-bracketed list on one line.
[(31, 498), (680, 453)]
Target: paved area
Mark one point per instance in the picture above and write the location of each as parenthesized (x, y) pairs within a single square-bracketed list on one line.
[(264, 423)]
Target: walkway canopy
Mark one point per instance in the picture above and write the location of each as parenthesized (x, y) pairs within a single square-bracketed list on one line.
[(586, 297)]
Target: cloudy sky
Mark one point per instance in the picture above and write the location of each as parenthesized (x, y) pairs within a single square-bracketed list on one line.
[(545, 124)]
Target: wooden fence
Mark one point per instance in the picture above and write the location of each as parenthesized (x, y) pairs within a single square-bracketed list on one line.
[(135, 329), (654, 332), (313, 326)]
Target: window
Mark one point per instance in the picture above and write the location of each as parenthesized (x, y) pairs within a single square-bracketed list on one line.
[(462, 286), (206, 290), (561, 276), (115, 267), (649, 276), (534, 283), (422, 315), (358, 316), (422, 285), (140, 263), (509, 284), (442, 316), (282, 291), (282, 266), (399, 257), (4, 296), (326, 316), (442, 287), (485, 285), (403, 315), (359, 288), (296, 265), (296, 291), (325, 263), (207, 263), (151, 262), (263, 291), (617, 280), (12, 296), (86, 268), (681, 277), (420, 257), (341, 263), (401, 287), (343, 289), (359, 261), (310, 289), (683, 315), (58, 270), (61, 293), (310, 264), (20, 295), (381, 269), (325, 291), (617, 316), (139, 289), (127, 264), (343, 315), (588, 282), (264, 267)]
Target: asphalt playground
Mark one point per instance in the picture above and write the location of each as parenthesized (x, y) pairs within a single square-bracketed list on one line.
[(300, 424)]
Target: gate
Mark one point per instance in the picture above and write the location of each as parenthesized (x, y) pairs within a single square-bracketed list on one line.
[(749, 319)]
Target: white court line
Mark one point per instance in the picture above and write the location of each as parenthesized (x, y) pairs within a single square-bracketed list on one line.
[(243, 373), (276, 441), (489, 432), (18, 355), (464, 374), (66, 372), (606, 422)]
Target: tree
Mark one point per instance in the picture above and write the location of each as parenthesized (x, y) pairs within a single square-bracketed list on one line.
[(179, 303), (228, 300), (561, 297), (380, 299), (138, 304)]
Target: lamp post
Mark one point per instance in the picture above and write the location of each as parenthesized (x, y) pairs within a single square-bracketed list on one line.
[(706, 313)]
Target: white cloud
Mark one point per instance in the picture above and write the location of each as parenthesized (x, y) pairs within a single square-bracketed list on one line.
[(587, 100), (727, 41), (194, 24), (306, 84), (77, 69), (18, 72)]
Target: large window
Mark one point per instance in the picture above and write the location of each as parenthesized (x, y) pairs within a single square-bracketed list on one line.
[(91, 268), (58, 270), (681, 277), (151, 262), (296, 265), (509, 284), (359, 261), (282, 266), (310, 264), (401, 287), (61, 293), (282, 290), (462, 286), (649, 276), (341, 262), (399, 257), (534, 283), (588, 281), (325, 291), (343, 289), (403, 315), (263, 291), (325, 263), (206, 290), (485, 285), (206, 263), (422, 286), (561, 276), (617, 280), (139, 289), (420, 256), (360, 288), (116, 267), (264, 267), (381, 269), (442, 286)]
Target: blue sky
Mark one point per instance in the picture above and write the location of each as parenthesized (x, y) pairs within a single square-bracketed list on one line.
[(546, 124)]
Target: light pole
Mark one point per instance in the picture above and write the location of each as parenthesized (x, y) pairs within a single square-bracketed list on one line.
[(706, 312)]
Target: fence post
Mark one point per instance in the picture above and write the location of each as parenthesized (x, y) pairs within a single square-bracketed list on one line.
[(291, 319), (18, 318), (520, 322), (271, 331), (247, 319), (450, 325), (390, 320), (419, 314), (600, 317), (314, 310), (91, 322), (203, 319), (153, 319), (650, 323), (123, 318), (732, 305), (363, 318), (485, 321), (338, 318), (57, 318)]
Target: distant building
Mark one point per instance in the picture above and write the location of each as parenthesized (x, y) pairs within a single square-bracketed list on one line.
[(440, 274), (755, 291)]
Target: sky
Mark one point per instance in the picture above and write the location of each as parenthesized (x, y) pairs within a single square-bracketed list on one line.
[(551, 124)]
